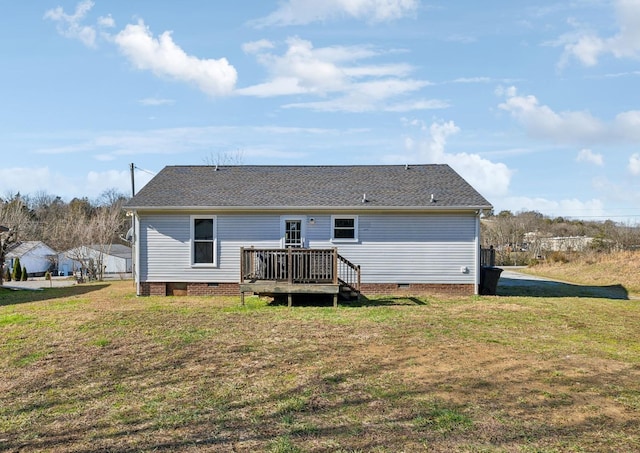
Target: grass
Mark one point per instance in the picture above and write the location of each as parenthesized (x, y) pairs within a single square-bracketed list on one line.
[(93, 368)]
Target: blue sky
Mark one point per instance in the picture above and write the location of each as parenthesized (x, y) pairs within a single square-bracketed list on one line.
[(535, 103)]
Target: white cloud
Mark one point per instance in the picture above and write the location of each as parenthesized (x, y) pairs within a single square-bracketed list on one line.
[(634, 164), (29, 180), (336, 74), (175, 141), (542, 122), (299, 12), (587, 46), (489, 178), (69, 25), (156, 101), (106, 21), (164, 58), (570, 207), (160, 55), (571, 127), (586, 155), (257, 46)]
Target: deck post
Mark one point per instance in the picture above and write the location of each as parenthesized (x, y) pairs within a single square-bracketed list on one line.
[(334, 255), (241, 274), (289, 266), (289, 300)]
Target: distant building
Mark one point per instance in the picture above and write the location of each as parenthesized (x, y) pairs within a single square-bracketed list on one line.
[(115, 259), (36, 256), (558, 243)]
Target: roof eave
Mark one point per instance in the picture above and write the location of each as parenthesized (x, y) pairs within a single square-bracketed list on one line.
[(364, 207)]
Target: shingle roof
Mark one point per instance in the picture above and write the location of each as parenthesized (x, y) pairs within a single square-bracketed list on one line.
[(245, 186), (21, 248), (117, 250)]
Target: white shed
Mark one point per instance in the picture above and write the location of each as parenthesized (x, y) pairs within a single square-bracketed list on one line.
[(115, 258), (36, 256)]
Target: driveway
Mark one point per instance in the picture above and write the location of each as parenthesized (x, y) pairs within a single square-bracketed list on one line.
[(514, 283), (38, 283)]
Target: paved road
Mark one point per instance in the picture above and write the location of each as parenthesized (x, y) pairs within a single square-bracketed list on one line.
[(511, 276)]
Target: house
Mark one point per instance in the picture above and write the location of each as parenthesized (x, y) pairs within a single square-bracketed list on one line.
[(115, 259), (36, 256), (391, 229)]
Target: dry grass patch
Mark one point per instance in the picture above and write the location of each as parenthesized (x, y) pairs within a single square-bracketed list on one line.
[(101, 370), (596, 269)]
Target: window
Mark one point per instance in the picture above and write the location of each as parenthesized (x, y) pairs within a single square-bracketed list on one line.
[(203, 234), (345, 228)]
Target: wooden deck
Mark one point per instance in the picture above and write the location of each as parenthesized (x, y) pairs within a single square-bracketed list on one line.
[(297, 271)]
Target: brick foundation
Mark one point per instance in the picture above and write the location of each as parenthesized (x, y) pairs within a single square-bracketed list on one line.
[(192, 289), (416, 289), (367, 289)]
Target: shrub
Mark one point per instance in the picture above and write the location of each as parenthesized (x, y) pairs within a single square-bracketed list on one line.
[(557, 257), (25, 274), (7, 274), (47, 275), (17, 270)]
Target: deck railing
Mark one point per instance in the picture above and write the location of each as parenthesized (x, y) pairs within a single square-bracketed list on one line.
[(298, 265)]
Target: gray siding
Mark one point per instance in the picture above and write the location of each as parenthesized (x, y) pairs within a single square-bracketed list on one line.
[(391, 248), (411, 248)]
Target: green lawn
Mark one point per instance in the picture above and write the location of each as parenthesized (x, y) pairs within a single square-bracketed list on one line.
[(93, 368)]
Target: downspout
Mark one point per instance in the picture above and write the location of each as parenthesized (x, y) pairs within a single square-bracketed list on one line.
[(135, 255), (136, 250), (476, 289)]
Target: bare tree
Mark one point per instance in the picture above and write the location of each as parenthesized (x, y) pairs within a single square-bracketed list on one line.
[(7, 237), (107, 221), (14, 214), (225, 158)]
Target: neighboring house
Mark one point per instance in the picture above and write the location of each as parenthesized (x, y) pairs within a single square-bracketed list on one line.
[(36, 256), (115, 259), (405, 229), (558, 243)]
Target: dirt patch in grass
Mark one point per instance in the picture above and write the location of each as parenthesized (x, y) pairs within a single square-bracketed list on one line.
[(104, 371)]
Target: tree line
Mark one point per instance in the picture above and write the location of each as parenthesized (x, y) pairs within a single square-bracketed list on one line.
[(524, 236), (64, 226)]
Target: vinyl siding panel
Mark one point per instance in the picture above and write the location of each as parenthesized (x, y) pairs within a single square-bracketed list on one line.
[(412, 248), (391, 248), (165, 246)]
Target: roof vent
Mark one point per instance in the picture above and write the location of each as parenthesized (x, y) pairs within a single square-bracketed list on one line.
[(433, 198), (406, 166), (364, 198)]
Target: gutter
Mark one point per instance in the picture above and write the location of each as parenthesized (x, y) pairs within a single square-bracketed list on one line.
[(235, 209)]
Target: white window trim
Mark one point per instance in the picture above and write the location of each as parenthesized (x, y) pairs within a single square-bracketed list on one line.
[(355, 228), (192, 241), (303, 228)]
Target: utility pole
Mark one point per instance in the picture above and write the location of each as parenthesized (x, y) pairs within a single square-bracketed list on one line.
[(133, 182)]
